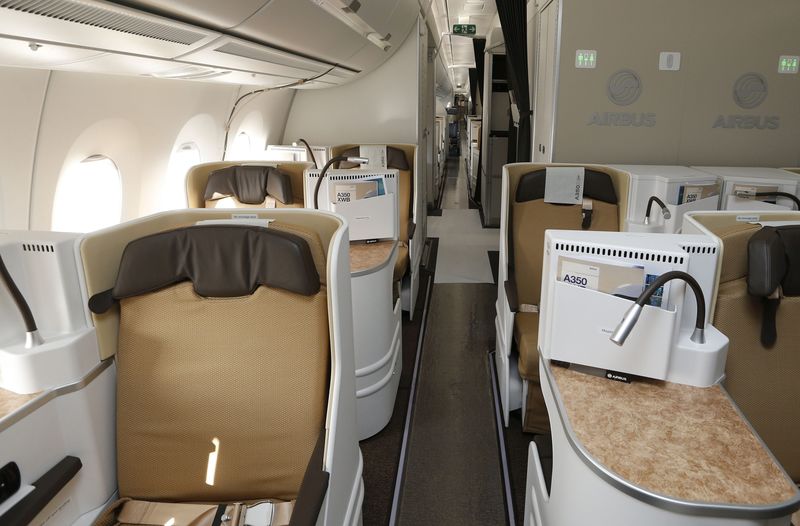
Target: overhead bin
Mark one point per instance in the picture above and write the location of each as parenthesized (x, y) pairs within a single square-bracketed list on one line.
[(100, 26), (210, 13), (282, 38), (302, 27)]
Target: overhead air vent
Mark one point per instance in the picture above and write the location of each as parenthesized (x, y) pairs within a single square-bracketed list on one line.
[(253, 53), (95, 15)]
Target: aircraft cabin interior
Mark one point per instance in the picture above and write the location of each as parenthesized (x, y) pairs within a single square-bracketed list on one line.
[(399, 263)]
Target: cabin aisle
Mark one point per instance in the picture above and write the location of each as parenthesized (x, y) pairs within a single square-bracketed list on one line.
[(452, 473), (463, 242)]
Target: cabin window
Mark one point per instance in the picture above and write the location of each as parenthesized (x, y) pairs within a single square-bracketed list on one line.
[(88, 196), (240, 149), (183, 158)]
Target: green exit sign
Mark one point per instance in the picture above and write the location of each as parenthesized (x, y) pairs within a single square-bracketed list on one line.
[(464, 29)]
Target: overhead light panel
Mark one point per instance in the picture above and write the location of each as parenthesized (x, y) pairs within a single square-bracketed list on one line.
[(347, 12), (190, 73)]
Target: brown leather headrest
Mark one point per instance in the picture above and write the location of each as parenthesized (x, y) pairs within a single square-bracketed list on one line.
[(596, 185), (279, 186), (773, 259), (395, 158), (249, 184), (219, 260)]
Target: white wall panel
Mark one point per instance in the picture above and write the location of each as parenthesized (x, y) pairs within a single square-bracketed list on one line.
[(380, 107), (137, 122), (22, 93)]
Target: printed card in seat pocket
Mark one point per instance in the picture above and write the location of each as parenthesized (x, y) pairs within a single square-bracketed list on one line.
[(564, 185)]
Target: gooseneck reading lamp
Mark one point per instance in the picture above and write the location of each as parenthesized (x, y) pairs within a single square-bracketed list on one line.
[(664, 210), (787, 195), (338, 158), (308, 149), (32, 336), (625, 326)]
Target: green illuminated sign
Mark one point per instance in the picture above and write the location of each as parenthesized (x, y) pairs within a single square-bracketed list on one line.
[(586, 58), (464, 29), (789, 64)]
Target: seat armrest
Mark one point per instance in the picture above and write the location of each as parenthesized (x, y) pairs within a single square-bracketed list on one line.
[(412, 226), (511, 294), (313, 489)]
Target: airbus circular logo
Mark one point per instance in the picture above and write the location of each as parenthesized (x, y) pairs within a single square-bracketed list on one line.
[(750, 90), (624, 87)]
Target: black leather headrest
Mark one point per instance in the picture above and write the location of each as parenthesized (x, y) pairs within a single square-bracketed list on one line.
[(596, 185), (250, 184), (220, 260), (279, 186), (395, 158), (773, 259)]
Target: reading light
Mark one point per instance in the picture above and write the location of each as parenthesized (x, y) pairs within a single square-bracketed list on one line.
[(625, 326), (664, 210), (308, 149), (323, 173), (32, 336)]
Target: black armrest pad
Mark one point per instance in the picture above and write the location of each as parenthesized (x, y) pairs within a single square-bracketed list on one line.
[(511, 294), (313, 488), (46, 488), (412, 227)]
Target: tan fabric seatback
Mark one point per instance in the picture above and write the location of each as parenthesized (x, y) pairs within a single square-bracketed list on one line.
[(250, 371), (529, 222), (197, 178), (405, 186), (530, 219), (763, 382)]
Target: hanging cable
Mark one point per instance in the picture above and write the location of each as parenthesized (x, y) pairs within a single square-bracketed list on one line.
[(253, 93)]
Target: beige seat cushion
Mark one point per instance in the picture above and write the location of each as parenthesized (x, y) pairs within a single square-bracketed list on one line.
[(250, 371), (401, 264), (526, 334), (764, 382)]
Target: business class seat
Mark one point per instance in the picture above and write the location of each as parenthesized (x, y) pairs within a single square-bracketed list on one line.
[(227, 345), (763, 364), (524, 219), (245, 184), (401, 158)]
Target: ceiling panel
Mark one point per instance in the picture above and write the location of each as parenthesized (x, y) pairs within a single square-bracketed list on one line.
[(23, 53), (456, 51)]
